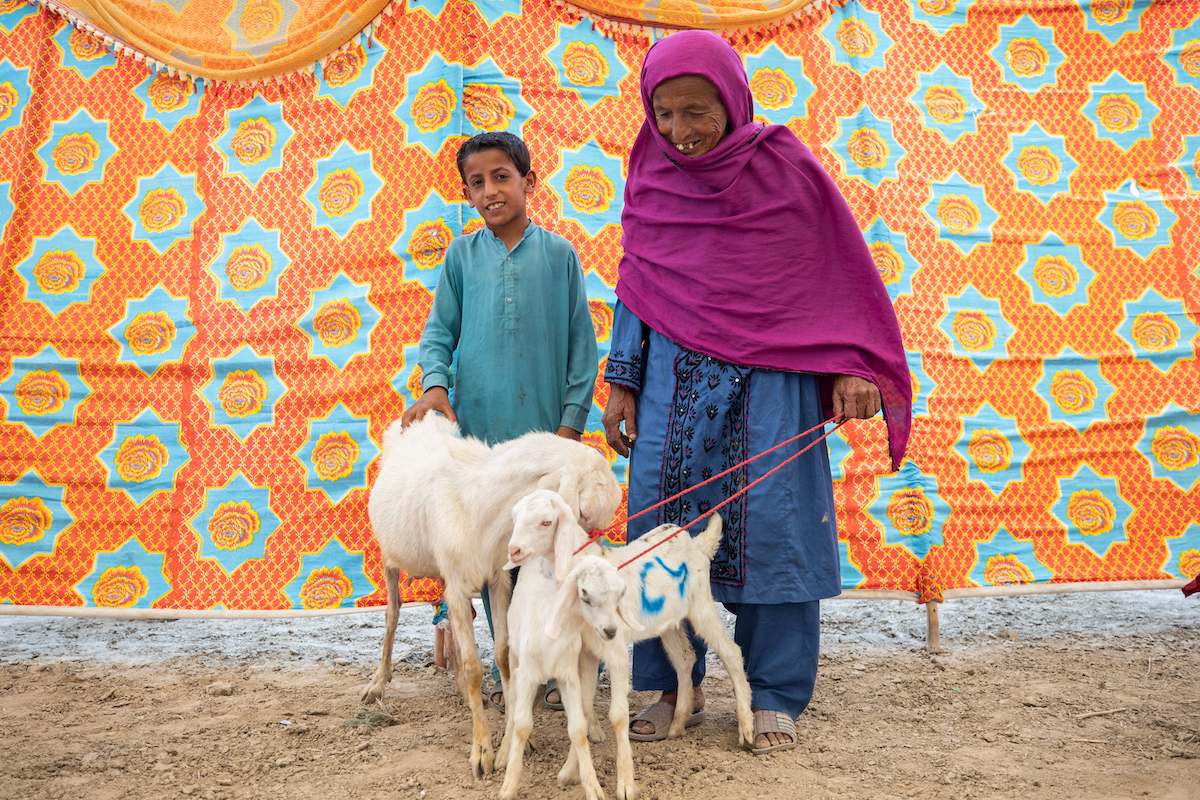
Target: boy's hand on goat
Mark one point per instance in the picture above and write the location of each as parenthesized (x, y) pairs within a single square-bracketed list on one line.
[(620, 408), (569, 433), (435, 398)]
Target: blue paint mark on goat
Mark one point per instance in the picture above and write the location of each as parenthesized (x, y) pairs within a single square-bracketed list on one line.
[(655, 605)]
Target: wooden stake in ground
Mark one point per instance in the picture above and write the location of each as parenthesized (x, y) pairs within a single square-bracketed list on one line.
[(933, 639), (1099, 713)]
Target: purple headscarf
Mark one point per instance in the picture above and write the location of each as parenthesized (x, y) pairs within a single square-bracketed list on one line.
[(748, 253)]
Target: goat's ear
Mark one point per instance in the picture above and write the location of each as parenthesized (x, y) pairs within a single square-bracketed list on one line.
[(568, 490), (566, 540), (509, 565), (564, 604), (627, 610)]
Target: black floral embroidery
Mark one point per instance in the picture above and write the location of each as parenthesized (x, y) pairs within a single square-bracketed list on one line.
[(624, 369)]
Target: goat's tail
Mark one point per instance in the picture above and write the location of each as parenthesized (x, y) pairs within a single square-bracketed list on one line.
[(710, 538)]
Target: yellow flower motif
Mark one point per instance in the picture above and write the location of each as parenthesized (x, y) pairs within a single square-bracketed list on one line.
[(337, 322), (1155, 331), (432, 106), (772, 87), (1072, 391), (169, 94), (1055, 276), (140, 458), (1038, 165), (1189, 563), (887, 261), (1110, 12), (936, 8), (856, 38), (910, 511), (916, 385), (602, 319), (242, 393), (24, 520), (150, 333), (1027, 57), (345, 66), (474, 225), (1118, 113), (1135, 220), (945, 104), (990, 450), (958, 214), (120, 587), (58, 271), (161, 209), (414, 383), (598, 441), (340, 192), (1189, 58), (8, 6), (253, 141), (487, 107), (8, 99), (325, 588), (584, 65), (589, 190), (1091, 512), (1175, 447), (42, 392), (86, 47), (75, 153), (974, 330), (1006, 571), (429, 241), (248, 267), (334, 455), (868, 149), (233, 525), (260, 19)]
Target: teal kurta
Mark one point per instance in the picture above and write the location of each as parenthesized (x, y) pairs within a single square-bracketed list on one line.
[(526, 349)]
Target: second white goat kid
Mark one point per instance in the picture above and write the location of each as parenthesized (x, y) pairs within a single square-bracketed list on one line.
[(667, 587)]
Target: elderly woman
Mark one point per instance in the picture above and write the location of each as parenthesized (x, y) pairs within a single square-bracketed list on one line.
[(749, 310)]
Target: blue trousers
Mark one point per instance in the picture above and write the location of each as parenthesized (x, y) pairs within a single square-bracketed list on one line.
[(780, 644)]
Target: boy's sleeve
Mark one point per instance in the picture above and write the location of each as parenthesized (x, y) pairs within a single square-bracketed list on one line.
[(443, 327), (626, 355), (583, 357)]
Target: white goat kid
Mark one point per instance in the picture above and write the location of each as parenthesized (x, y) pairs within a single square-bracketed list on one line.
[(563, 631), (667, 586), (441, 507)]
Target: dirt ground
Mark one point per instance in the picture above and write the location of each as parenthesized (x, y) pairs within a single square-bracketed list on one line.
[(992, 716)]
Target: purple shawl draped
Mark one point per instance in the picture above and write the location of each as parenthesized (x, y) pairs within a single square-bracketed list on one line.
[(748, 253)]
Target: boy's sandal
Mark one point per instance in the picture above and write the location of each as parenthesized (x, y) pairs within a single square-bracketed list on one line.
[(660, 715), (490, 697), (552, 686), (772, 722)]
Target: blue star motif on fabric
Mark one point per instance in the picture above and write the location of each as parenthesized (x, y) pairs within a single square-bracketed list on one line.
[(33, 515), (1189, 162), (164, 208), (315, 569), (1113, 18), (922, 384), (1092, 511), (1121, 111), (77, 152), (428, 231), (839, 451), (83, 52), (852, 576), (144, 456), (60, 270), (992, 446), (43, 391), (910, 510), (857, 38), (337, 453), (154, 331), (1027, 54), (243, 392), (13, 81), (895, 263), (1138, 218), (1056, 274), (254, 137), (407, 382), (342, 192), (941, 15), (1074, 389), (169, 100), (1183, 56), (1183, 553), (347, 72), (867, 147), (492, 101), (947, 102), (1171, 443), (432, 110), (586, 63), (6, 204), (249, 265), (961, 213), (260, 25), (1158, 330), (591, 187), (130, 577), (340, 321), (1004, 560), (1040, 163), (433, 8), (778, 85), (976, 327), (9, 20), (235, 523)]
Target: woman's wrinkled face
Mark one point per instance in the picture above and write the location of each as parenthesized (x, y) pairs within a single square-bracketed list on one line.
[(689, 114)]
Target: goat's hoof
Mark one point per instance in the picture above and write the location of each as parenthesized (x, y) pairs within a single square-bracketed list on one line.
[(567, 780), (627, 791), (593, 790)]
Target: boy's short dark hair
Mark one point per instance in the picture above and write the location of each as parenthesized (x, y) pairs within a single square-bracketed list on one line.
[(512, 146)]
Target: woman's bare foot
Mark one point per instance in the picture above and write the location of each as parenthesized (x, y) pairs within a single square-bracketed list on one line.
[(647, 727)]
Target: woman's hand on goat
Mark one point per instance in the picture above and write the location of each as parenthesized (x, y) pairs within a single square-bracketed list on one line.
[(435, 398), (857, 398), (621, 407)]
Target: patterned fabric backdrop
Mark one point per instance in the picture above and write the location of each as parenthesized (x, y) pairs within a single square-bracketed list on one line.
[(212, 297)]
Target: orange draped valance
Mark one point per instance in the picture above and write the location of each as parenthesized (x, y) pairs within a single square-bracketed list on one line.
[(716, 15)]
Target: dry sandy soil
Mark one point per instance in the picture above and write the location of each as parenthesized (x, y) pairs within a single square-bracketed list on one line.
[(997, 714)]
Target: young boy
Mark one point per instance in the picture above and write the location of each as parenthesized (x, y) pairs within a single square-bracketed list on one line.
[(511, 302)]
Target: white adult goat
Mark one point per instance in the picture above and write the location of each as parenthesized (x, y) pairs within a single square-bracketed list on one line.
[(564, 631), (670, 585), (441, 507)]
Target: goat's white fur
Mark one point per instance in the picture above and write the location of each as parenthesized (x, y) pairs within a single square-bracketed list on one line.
[(441, 507)]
